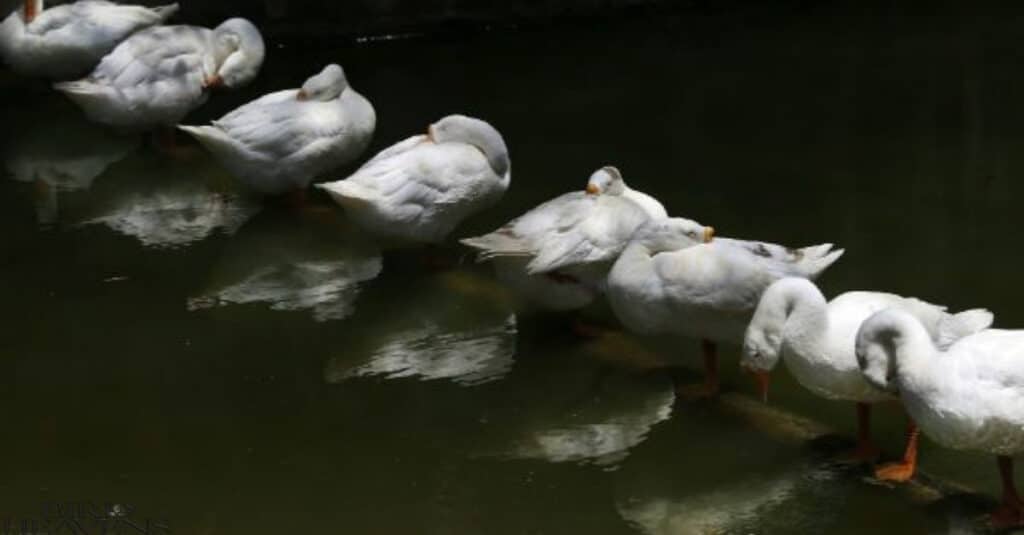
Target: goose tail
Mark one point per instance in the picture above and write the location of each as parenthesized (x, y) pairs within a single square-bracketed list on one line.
[(496, 244), (77, 87), (166, 11), (816, 259), (348, 193), (86, 94), (214, 139), (953, 327)]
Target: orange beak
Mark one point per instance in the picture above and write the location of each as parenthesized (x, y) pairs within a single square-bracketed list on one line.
[(302, 95), (709, 234), (430, 134), (762, 380), (214, 82), (592, 189)]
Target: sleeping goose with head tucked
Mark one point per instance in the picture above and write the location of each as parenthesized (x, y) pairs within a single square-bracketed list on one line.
[(558, 254), (420, 189), (158, 75), (280, 142), (69, 40)]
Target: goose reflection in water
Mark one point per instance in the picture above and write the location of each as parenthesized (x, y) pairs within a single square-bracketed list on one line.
[(565, 403), (291, 266), (598, 428), (454, 326), (69, 162), (739, 506), (167, 203)]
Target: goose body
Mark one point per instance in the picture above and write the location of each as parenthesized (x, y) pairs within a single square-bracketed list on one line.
[(816, 339), (420, 189), (558, 254), (69, 40), (969, 396), (158, 75), (706, 290), (281, 141), (668, 282)]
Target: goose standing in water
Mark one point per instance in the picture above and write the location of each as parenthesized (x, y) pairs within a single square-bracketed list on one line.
[(281, 141), (967, 397), (668, 282), (816, 339), (558, 254), (420, 189), (69, 40), (158, 75)]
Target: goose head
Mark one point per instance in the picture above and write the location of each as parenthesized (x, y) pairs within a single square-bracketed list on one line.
[(672, 234), (884, 340), (606, 181), (762, 343), (480, 134), (238, 52), (326, 86), (877, 340)]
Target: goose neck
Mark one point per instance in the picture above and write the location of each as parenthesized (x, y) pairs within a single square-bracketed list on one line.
[(806, 318)]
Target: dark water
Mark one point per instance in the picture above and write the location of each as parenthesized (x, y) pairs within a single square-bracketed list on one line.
[(228, 367)]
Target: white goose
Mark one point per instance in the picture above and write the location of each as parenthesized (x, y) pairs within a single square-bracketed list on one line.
[(420, 189), (69, 40), (558, 254), (968, 397), (281, 141), (816, 339), (158, 75), (667, 282)]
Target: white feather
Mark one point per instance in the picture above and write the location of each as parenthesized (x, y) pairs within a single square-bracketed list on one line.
[(706, 291), (279, 143), (968, 397), (419, 190), (153, 78), (69, 40)]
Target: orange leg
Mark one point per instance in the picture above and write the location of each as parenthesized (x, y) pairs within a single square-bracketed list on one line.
[(166, 140), (866, 449), (297, 198), (711, 381), (583, 329), (30, 11), (762, 380), (710, 386), (1011, 512), (434, 258), (46, 202), (902, 471)]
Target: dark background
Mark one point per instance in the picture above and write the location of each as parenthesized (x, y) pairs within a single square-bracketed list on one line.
[(325, 18)]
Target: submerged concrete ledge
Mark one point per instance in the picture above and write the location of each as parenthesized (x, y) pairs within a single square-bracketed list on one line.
[(820, 445)]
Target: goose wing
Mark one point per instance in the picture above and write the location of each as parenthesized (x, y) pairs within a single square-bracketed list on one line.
[(155, 57), (730, 275)]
